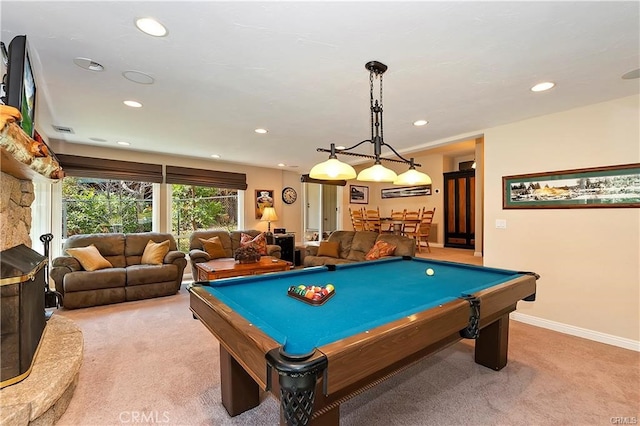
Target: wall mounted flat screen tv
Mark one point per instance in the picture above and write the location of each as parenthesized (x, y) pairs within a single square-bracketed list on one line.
[(21, 84)]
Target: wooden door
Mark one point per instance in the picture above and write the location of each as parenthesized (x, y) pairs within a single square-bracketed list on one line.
[(459, 209)]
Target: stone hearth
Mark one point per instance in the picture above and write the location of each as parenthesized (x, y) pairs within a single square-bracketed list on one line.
[(44, 395)]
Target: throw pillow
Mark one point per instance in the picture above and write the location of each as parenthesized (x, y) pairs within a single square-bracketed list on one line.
[(259, 242), (154, 253), (328, 248), (213, 247), (90, 258), (380, 249)]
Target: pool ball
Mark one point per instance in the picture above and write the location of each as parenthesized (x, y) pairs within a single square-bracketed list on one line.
[(430, 271), (329, 287), (302, 286)]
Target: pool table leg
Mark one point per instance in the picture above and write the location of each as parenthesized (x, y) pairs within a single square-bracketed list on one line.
[(492, 344), (239, 391)]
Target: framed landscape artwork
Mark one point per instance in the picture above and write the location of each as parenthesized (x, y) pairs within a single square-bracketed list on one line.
[(406, 191), (358, 194), (610, 186)]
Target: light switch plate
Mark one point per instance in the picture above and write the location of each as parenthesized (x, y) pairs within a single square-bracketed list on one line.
[(501, 223)]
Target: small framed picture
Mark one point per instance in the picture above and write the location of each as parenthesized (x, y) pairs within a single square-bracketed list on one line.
[(264, 198), (358, 194)]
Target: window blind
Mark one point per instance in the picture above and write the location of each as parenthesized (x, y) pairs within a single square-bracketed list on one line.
[(89, 167), (202, 177)]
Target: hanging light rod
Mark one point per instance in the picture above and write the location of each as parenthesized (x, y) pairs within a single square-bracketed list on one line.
[(335, 169)]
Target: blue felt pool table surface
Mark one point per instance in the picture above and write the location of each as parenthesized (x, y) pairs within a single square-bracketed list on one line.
[(367, 295)]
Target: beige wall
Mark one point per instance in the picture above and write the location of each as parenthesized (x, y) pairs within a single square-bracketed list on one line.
[(257, 178), (588, 259)]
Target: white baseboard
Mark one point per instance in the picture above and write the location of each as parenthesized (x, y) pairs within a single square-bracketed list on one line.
[(596, 336)]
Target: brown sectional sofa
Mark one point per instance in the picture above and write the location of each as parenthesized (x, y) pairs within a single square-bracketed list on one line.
[(127, 280), (354, 246), (230, 242)]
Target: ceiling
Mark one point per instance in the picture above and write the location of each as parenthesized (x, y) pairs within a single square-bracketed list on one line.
[(297, 69)]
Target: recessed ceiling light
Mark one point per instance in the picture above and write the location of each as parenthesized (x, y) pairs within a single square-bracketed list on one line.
[(420, 123), (123, 143), (138, 77), (261, 131), (215, 156), (98, 139), (282, 165), (133, 104), (151, 26), (541, 87), (632, 74), (340, 147), (88, 64)]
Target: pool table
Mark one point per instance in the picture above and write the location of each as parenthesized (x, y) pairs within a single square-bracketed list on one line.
[(384, 316)]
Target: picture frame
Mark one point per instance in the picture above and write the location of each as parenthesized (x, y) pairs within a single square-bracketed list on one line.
[(264, 198), (358, 194), (406, 191), (596, 187)]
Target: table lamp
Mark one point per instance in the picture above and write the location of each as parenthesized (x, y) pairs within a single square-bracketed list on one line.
[(269, 214)]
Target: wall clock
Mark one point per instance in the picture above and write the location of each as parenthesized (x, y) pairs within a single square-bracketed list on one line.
[(289, 195)]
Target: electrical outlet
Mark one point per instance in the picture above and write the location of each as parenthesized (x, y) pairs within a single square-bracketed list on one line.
[(501, 223)]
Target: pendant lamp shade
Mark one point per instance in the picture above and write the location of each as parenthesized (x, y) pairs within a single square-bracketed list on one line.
[(412, 177), (377, 173), (332, 169)]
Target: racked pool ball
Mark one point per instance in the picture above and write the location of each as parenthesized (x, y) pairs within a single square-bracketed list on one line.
[(430, 271)]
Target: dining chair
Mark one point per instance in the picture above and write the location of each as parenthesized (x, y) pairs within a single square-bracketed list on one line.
[(423, 230), (411, 221), (357, 219), (394, 223), (372, 220)]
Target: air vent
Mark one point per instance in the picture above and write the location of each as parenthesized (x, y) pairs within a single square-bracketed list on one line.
[(61, 129)]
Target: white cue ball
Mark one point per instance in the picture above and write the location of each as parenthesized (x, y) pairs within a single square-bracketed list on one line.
[(430, 271)]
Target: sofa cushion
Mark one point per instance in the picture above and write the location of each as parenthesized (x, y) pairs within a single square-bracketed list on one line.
[(94, 280), (344, 238), (90, 258), (361, 244), (404, 246), (329, 248), (136, 243), (147, 274), (154, 253), (259, 242), (380, 249), (213, 247), (225, 240), (110, 246)]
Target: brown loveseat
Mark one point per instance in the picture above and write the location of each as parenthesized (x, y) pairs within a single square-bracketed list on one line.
[(230, 242), (128, 279), (354, 246)]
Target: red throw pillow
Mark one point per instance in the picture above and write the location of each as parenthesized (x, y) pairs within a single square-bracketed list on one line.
[(380, 249), (259, 242)]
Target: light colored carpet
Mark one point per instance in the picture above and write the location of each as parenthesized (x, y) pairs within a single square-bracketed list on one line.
[(151, 362)]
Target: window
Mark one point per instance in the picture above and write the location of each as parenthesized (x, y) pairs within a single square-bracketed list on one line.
[(201, 207), (102, 205)]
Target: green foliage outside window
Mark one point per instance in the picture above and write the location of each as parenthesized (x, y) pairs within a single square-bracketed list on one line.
[(96, 205), (200, 207)]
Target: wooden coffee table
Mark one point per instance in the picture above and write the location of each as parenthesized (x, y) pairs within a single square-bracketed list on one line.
[(228, 267)]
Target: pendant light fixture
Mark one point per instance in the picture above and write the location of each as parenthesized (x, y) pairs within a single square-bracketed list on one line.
[(335, 169)]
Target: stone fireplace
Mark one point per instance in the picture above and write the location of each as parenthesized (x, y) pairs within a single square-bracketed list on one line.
[(15, 211)]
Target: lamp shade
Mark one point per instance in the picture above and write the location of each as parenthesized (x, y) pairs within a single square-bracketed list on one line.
[(332, 169), (269, 214), (377, 173), (412, 177)]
